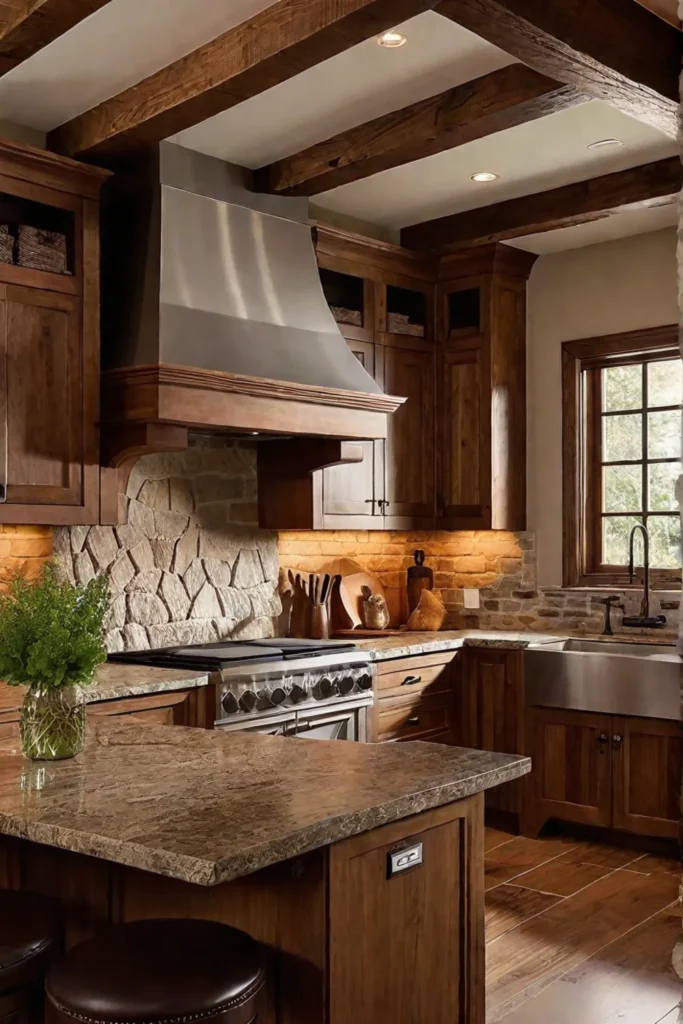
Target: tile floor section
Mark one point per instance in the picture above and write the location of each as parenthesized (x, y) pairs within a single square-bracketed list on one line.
[(580, 932)]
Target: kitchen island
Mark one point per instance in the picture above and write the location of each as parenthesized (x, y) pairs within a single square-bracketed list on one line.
[(290, 840)]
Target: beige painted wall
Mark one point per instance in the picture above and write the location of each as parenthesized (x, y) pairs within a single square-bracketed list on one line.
[(601, 289)]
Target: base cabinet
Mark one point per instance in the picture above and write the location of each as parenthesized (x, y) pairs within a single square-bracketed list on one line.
[(415, 699), (622, 773), (489, 698)]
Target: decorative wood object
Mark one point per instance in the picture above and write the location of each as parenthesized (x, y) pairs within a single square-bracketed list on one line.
[(510, 96), (420, 577), (120, 451), (648, 185), (272, 47), (429, 615), (26, 26), (49, 350), (622, 54)]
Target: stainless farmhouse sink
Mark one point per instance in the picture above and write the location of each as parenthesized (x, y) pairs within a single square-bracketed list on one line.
[(611, 678)]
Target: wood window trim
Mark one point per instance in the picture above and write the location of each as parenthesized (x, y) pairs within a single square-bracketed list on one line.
[(578, 356)]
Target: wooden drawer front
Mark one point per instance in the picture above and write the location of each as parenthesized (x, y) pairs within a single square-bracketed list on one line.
[(159, 709), (414, 718), (402, 677)]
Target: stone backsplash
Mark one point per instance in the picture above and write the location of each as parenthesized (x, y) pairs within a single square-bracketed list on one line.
[(501, 565), (190, 565)]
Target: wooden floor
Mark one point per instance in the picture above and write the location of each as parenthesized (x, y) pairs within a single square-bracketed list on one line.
[(580, 933)]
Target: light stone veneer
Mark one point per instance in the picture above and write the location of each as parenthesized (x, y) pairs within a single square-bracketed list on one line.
[(190, 565)]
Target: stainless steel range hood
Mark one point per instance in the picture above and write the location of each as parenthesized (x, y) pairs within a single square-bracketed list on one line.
[(207, 285)]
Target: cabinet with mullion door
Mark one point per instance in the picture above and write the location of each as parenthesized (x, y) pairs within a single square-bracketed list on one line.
[(394, 486), (605, 770), (49, 338)]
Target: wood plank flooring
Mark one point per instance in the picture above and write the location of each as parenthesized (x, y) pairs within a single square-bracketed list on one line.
[(580, 931)]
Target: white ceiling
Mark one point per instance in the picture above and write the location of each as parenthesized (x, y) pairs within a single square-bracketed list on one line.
[(351, 88), (607, 229), (532, 157), (122, 43)]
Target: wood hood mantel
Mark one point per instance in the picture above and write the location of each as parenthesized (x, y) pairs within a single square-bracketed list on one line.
[(151, 409)]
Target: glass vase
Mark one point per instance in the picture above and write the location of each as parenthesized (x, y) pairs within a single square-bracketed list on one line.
[(52, 723)]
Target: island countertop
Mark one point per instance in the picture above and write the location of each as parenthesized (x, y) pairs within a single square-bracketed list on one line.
[(206, 807)]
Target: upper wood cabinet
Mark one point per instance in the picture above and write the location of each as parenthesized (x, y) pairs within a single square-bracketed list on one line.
[(49, 342), (481, 396)]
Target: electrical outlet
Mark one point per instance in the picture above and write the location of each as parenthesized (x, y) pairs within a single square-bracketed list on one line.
[(470, 597)]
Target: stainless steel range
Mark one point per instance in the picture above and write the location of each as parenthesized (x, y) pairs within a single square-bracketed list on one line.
[(319, 689)]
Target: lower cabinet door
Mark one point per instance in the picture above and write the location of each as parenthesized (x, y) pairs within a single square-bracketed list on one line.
[(647, 767), (571, 773)]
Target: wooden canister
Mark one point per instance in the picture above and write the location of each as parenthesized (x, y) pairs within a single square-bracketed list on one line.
[(420, 577)]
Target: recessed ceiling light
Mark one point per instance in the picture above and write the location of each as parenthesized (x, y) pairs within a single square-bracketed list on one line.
[(392, 39), (605, 144), (485, 176)]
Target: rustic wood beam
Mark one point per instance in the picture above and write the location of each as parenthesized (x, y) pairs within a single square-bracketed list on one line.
[(26, 26), (655, 184), (502, 99), (614, 50), (272, 47)]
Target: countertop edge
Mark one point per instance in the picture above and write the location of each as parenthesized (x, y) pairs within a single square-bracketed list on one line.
[(95, 695), (185, 868)]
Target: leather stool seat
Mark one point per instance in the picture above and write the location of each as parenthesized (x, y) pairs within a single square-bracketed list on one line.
[(150, 972), (30, 935)]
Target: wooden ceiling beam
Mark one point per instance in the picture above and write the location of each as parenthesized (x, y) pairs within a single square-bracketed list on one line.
[(614, 50), (275, 45), (26, 26), (655, 184), (505, 98)]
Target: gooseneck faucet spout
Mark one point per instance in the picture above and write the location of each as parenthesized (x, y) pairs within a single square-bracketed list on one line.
[(644, 620), (645, 606)]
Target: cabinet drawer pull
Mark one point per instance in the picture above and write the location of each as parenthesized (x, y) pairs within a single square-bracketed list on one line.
[(411, 680), (415, 720)]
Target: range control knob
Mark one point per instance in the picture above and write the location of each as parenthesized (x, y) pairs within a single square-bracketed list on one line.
[(365, 681), (278, 696), (324, 688), (248, 700), (346, 685), (230, 705), (297, 694)]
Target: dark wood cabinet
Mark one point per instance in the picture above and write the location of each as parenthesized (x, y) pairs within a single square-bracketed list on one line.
[(481, 396), (415, 699), (594, 769), (489, 700), (647, 769), (49, 344), (571, 772)]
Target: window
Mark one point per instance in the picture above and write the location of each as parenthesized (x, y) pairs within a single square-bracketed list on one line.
[(622, 455)]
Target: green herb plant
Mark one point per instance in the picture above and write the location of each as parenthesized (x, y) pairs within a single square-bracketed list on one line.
[(51, 632)]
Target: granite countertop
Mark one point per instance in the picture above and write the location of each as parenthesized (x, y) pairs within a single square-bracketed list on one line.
[(206, 807), (384, 647), (114, 679)]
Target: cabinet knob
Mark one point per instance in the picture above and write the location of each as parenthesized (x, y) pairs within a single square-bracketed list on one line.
[(383, 504), (617, 738), (603, 737)]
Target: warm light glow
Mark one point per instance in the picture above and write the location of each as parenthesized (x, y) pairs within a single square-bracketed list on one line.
[(605, 144), (392, 39), (485, 176)]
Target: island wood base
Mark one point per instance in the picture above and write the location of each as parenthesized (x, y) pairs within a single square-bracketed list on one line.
[(348, 944)]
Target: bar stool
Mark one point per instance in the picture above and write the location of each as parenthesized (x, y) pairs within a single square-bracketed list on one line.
[(159, 971), (30, 937)]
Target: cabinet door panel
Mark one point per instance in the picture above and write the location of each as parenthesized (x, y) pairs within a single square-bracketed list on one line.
[(571, 774), (463, 439), (490, 699), (355, 490), (647, 765), (43, 406), (409, 454)]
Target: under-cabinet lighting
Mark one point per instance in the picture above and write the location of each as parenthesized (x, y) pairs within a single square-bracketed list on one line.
[(392, 39), (485, 176)]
